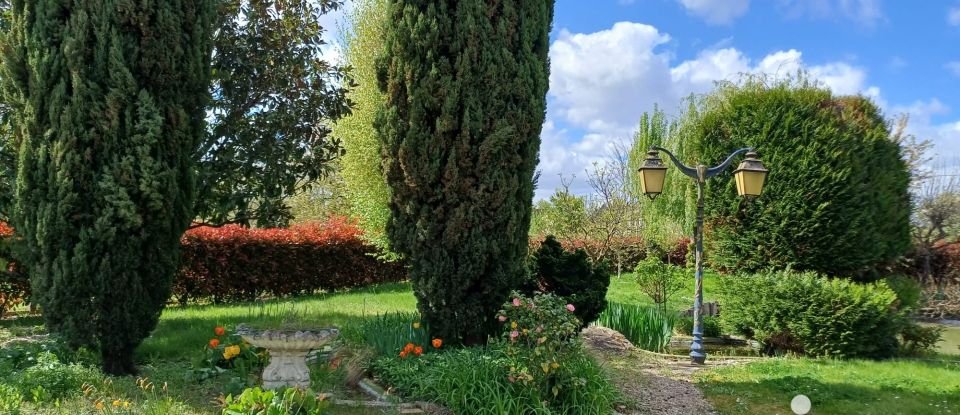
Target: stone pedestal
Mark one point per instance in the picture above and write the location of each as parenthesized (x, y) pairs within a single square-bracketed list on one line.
[(288, 353)]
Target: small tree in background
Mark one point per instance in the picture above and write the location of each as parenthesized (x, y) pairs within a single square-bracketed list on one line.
[(107, 101), (274, 98), (465, 86), (658, 280), (365, 185)]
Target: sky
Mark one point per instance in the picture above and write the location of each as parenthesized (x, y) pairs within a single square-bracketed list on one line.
[(612, 60)]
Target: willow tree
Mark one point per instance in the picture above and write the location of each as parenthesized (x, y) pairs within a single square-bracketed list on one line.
[(465, 86), (107, 101)]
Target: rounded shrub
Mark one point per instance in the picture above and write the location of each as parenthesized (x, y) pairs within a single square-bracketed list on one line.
[(573, 276), (837, 182), (813, 315)]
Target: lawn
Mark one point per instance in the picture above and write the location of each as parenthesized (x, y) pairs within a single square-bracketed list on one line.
[(836, 387)]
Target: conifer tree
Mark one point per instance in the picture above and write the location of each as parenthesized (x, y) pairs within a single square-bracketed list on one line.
[(465, 86), (107, 102)]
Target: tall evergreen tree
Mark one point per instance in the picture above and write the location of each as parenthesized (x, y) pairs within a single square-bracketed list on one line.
[(107, 99), (465, 84)]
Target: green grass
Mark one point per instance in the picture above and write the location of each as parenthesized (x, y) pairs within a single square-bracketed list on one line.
[(625, 290), (836, 387), (185, 330), (645, 326)]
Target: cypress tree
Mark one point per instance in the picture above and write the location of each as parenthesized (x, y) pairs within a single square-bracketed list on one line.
[(107, 100), (465, 84)]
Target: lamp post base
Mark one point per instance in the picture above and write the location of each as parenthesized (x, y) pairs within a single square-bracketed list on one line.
[(698, 358)]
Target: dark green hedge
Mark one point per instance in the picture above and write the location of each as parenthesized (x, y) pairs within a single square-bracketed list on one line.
[(836, 199)]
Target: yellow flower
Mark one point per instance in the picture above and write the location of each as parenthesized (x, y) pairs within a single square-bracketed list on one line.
[(98, 404), (126, 404), (230, 352), (416, 325), (116, 403), (554, 365), (513, 324)]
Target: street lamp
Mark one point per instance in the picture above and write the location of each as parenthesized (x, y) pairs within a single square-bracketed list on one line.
[(750, 176)]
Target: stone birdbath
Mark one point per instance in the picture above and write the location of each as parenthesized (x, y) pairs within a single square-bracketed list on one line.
[(288, 353)]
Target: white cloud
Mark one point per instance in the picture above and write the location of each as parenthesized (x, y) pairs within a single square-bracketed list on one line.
[(953, 67), (865, 12), (602, 82), (945, 136), (718, 12), (953, 16)]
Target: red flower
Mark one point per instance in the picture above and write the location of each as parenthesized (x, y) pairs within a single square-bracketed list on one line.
[(418, 351), (437, 343), (214, 343), (219, 331)]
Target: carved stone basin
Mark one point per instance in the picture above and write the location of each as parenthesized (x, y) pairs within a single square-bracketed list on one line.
[(288, 352)]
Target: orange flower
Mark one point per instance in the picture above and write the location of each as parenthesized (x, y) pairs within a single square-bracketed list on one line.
[(418, 351), (214, 343), (219, 331), (408, 348), (437, 343), (403, 354)]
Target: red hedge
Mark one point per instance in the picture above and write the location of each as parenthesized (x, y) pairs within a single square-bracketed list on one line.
[(234, 263)]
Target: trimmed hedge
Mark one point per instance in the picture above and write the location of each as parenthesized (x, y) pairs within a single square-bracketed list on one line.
[(233, 263), (813, 315)]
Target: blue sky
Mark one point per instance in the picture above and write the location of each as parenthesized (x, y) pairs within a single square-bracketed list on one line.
[(611, 60)]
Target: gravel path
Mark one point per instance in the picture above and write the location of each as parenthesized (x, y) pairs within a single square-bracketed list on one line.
[(654, 385)]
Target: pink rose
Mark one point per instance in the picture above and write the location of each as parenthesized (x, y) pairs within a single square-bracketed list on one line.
[(514, 334), (502, 318), (516, 302), (511, 379), (570, 308)]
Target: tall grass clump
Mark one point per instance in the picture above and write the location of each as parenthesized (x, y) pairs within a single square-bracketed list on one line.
[(646, 327), (388, 333)]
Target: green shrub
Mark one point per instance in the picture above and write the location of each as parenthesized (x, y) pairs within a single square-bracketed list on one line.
[(909, 291), (289, 401), (659, 280), (572, 275), (538, 334), (10, 400), (711, 326), (813, 315), (476, 381), (50, 379), (646, 327), (836, 200), (918, 340)]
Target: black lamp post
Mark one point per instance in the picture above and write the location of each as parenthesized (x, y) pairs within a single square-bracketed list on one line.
[(750, 177)]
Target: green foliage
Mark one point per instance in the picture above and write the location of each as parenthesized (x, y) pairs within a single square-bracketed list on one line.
[(388, 333), (465, 86), (538, 334), (49, 379), (838, 183), (669, 217), (711, 326), (105, 180), (659, 280), (365, 185), (648, 328), (814, 315), (918, 340), (562, 215), (573, 276), (909, 291), (233, 356), (10, 400), (287, 401), (273, 100), (475, 381)]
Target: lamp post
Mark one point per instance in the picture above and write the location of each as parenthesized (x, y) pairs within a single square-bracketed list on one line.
[(749, 176)]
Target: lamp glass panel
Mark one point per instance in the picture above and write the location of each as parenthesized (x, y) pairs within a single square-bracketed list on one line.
[(651, 180), (750, 183)]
